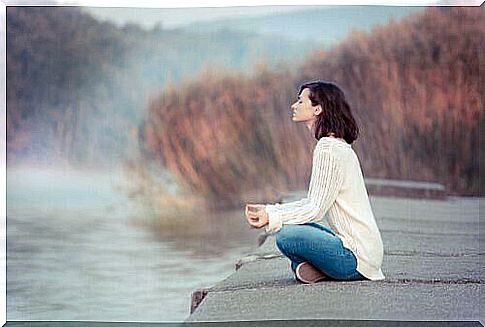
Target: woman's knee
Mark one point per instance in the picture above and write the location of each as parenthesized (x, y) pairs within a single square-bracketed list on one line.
[(286, 236)]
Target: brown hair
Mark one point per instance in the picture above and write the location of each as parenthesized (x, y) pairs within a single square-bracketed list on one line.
[(336, 116)]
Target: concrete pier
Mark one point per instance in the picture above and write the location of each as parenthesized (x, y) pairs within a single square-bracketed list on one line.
[(432, 263)]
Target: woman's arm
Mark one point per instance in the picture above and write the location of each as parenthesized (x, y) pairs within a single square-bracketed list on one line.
[(325, 183)]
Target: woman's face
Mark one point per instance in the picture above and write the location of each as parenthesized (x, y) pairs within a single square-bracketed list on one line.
[(303, 111)]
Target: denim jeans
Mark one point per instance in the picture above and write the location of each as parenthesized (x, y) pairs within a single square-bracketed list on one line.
[(320, 246)]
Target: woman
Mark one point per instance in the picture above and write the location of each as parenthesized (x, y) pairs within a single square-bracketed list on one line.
[(351, 249)]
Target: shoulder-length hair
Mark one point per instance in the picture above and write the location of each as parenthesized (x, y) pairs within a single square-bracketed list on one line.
[(336, 116)]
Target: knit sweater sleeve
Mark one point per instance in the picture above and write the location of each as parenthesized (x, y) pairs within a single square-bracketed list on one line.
[(325, 183)]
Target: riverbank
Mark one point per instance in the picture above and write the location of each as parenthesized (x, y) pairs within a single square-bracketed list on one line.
[(431, 263)]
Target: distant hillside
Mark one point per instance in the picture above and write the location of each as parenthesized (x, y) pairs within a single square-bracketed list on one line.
[(324, 25), (78, 88)]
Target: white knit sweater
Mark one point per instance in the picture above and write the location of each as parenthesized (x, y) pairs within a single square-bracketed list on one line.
[(337, 187)]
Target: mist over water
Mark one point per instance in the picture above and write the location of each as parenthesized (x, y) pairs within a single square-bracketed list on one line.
[(78, 250)]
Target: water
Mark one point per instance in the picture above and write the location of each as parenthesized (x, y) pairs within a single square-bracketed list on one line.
[(77, 250)]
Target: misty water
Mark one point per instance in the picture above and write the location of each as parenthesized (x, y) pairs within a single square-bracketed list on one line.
[(79, 250)]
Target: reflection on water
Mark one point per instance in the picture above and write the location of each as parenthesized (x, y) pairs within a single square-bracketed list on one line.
[(78, 251)]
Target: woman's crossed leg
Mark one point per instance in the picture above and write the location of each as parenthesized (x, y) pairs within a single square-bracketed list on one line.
[(319, 246)]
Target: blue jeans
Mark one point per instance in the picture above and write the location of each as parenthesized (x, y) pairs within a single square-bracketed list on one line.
[(320, 246)]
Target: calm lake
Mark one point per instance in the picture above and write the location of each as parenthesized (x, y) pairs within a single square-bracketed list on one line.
[(78, 250)]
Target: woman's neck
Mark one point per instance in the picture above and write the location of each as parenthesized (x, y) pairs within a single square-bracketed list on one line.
[(338, 138)]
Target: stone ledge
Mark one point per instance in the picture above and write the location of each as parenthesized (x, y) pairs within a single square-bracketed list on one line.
[(431, 263)]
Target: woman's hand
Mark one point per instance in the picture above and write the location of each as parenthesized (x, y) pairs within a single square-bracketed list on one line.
[(256, 216)]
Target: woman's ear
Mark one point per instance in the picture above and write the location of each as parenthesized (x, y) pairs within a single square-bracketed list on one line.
[(318, 110)]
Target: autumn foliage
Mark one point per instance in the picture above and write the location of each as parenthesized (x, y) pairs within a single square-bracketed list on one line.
[(226, 138), (414, 87)]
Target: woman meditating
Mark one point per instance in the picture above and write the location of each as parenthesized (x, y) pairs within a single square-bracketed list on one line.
[(351, 249)]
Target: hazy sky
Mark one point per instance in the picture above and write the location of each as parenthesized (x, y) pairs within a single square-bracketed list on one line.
[(146, 13), (176, 17)]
